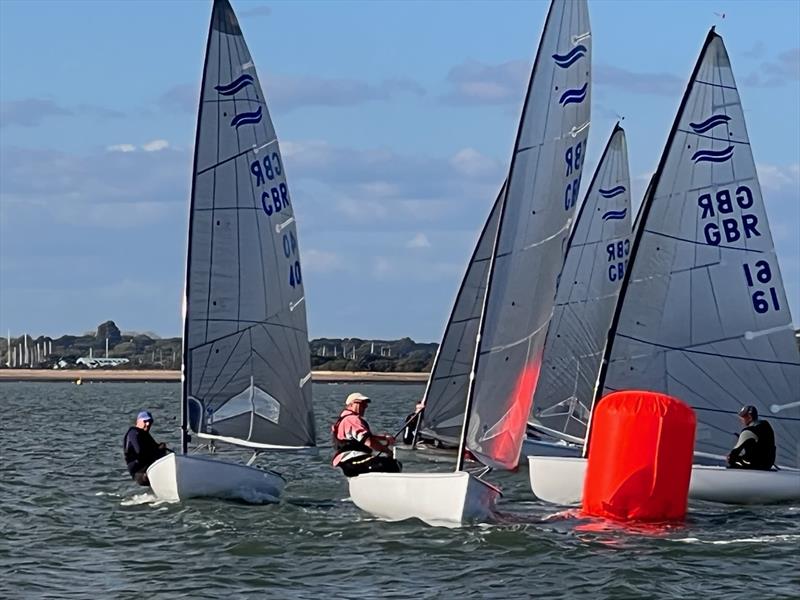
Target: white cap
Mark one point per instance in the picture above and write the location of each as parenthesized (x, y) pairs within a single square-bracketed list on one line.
[(355, 397)]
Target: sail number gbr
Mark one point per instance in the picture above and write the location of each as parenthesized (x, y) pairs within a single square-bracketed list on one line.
[(731, 228), (573, 161), (758, 275), (273, 198)]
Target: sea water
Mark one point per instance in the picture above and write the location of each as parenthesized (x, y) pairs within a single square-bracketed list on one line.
[(73, 525)]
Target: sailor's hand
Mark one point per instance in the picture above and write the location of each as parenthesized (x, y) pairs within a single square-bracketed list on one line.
[(162, 446)]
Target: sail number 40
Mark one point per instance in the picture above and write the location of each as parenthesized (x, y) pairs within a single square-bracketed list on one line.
[(763, 299)]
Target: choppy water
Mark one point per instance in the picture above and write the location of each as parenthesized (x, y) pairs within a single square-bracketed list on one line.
[(72, 525)]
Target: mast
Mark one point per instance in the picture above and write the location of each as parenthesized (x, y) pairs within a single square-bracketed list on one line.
[(184, 341), (641, 219), (462, 442)]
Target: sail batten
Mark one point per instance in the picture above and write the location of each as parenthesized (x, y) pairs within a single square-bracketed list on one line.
[(245, 332), (704, 315)]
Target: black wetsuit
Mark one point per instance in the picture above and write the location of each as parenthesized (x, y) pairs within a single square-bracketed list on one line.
[(757, 451), (141, 451), (410, 430)]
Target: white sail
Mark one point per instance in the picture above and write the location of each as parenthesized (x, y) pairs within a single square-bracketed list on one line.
[(704, 315), (593, 270), (446, 395), (246, 352), (535, 218)]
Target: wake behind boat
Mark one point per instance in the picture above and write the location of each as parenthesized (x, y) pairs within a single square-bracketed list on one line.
[(246, 370), (703, 315), (534, 215)]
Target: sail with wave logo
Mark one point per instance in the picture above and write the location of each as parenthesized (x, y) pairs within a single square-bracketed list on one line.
[(536, 212), (704, 315), (597, 253), (246, 355)]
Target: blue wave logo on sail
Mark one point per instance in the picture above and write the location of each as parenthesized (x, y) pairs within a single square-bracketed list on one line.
[(235, 86), (248, 118), (716, 156), (567, 60), (709, 123), (613, 192), (615, 214), (574, 96)]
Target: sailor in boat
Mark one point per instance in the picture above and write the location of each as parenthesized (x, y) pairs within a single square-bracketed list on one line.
[(353, 442), (140, 449), (755, 448), (411, 425)]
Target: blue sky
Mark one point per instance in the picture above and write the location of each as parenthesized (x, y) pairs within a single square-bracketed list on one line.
[(396, 121)]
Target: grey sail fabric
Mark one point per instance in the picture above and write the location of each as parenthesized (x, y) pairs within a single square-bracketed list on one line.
[(704, 316), (598, 251), (446, 395), (536, 214), (247, 361)]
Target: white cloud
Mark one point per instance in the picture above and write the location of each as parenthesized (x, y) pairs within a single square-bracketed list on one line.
[(472, 163), (774, 177), (419, 241), (321, 261), (121, 148), (155, 145)]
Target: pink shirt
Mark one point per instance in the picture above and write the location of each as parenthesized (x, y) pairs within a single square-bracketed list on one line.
[(351, 427)]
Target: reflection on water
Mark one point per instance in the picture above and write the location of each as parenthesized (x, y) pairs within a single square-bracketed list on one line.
[(73, 524)]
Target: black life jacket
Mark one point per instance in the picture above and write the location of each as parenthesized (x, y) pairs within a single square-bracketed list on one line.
[(762, 456), (348, 445)]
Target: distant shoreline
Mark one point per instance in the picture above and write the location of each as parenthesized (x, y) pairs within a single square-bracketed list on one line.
[(119, 375)]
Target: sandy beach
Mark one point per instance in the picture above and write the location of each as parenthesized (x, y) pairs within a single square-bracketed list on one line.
[(86, 375)]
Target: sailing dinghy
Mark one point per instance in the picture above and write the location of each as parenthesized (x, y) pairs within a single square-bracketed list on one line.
[(246, 361), (703, 315), (590, 281), (527, 252)]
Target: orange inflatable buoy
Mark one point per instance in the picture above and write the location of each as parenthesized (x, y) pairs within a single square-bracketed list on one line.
[(640, 457)]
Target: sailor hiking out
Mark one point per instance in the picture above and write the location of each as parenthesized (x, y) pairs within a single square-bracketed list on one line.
[(755, 448), (353, 442), (140, 449)]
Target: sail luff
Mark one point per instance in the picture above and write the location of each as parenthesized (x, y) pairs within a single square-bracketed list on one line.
[(641, 219), (588, 287), (185, 355), (544, 177)]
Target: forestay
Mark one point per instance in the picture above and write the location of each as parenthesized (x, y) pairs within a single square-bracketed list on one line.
[(535, 218), (587, 294), (247, 361), (704, 316), (446, 394)]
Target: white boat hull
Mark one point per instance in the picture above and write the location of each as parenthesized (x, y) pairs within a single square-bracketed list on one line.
[(559, 480), (177, 477), (447, 499)]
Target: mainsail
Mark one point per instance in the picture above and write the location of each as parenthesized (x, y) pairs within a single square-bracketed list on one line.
[(446, 395), (535, 216), (704, 315), (246, 356), (587, 294)]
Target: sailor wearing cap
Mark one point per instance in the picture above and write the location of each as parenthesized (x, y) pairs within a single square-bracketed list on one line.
[(755, 448), (140, 449), (353, 442)]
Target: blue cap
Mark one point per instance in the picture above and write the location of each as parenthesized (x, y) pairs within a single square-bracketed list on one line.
[(144, 416)]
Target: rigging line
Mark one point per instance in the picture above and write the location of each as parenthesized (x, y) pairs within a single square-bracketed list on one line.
[(221, 368), (717, 85), (715, 139), (714, 354), (219, 163), (233, 99), (720, 246), (268, 323)]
